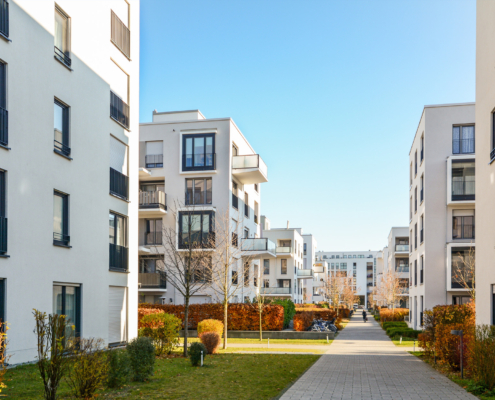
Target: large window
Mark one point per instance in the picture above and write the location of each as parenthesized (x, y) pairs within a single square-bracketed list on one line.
[(463, 139), (235, 198), (196, 229), (118, 242), (4, 18), (3, 213), (119, 181), (66, 301), (266, 267), (61, 128), (198, 152), (62, 37), (415, 272), (463, 227), (246, 273), (153, 232), (154, 154), (463, 180), (283, 266), (463, 259), (421, 269), (60, 219), (246, 205), (150, 264), (198, 191), (4, 124)]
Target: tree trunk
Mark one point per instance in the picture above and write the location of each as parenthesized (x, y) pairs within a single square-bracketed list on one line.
[(225, 314), (261, 329), (186, 324)]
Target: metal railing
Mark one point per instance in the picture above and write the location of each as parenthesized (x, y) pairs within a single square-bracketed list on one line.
[(3, 235), (401, 247), (199, 162), (401, 268), (154, 160), (257, 244), (492, 154), (276, 290), (119, 184), (284, 249), (118, 257), (119, 110), (61, 148), (63, 57), (304, 272), (463, 146), (152, 280), (121, 35), (463, 187), (4, 17), (153, 199), (4, 126), (248, 162), (235, 201), (61, 238)]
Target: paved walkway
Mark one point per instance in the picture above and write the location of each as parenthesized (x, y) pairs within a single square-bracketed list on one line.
[(363, 363)]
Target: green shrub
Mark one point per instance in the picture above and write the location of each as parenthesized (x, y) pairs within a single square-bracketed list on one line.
[(195, 353), (377, 318), (162, 329), (119, 368), (289, 310), (404, 332), (482, 356), (394, 324), (210, 325), (142, 358)]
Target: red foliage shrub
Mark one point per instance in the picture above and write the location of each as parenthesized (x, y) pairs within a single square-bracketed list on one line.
[(211, 340), (304, 318), (241, 317), (396, 314)]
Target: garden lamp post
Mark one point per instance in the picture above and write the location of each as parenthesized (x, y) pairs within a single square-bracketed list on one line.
[(459, 333)]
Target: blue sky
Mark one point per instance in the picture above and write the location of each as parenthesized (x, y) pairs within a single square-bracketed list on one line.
[(329, 93)]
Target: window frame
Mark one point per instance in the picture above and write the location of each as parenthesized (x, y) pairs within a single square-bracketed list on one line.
[(64, 148), (282, 266), (204, 192), (155, 233), (182, 214), (462, 197), (184, 155), (64, 55), (125, 229), (461, 126), (64, 239), (77, 322), (266, 262), (462, 217)]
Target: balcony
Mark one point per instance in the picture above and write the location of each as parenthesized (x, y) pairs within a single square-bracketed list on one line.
[(154, 160), (319, 269), (152, 280), (305, 273), (284, 250), (3, 235), (258, 246), (118, 258), (276, 291), (402, 268), (402, 248), (4, 126), (4, 18), (152, 204), (121, 35), (249, 169), (119, 184), (119, 110)]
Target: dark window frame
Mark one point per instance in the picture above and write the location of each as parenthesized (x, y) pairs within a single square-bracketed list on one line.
[(119, 253), (462, 217), (282, 267), (63, 238), (156, 235), (204, 193), (63, 148), (210, 213), (77, 322), (184, 155), (60, 54), (265, 264), (461, 197), (4, 114), (3, 213), (460, 140)]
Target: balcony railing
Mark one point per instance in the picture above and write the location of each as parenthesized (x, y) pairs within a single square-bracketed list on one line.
[(205, 241), (121, 35), (199, 162), (4, 126), (62, 57), (463, 146), (276, 290), (61, 148), (3, 235), (463, 187), (257, 244), (60, 238), (402, 268), (284, 249), (119, 184), (235, 201), (304, 272), (153, 199), (154, 160), (401, 247), (119, 110), (248, 162), (492, 154), (4, 17), (319, 269), (118, 257), (152, 280)]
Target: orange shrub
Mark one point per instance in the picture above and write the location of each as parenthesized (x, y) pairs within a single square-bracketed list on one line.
[(304, 318), (210, 325), (241, 317), (211, 340), (398, 314)]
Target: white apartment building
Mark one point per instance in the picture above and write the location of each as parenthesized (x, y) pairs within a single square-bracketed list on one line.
[(442, 200), (361, 266), (312, 289), (485, 156), (189, 162), (398, 260), (68, 168)]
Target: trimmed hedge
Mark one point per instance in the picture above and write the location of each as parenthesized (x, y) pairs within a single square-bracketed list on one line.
[(405, 332), (303, 319), (394, 324), (241, 317)]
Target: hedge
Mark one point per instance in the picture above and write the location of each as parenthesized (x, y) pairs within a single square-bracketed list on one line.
[(304, 318), (241, 317), (406, 332), (395, 324), (397, 314)]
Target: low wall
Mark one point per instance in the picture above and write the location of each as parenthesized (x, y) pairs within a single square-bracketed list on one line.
[(306, 335)]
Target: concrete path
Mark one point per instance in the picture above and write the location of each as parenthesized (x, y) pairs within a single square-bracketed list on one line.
[(363, 363)]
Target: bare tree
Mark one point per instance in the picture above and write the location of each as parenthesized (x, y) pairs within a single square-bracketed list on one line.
[(334, 288), (261, 304), (463, 271), (391, 288)]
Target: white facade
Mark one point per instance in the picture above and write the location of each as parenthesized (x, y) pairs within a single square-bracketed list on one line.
[(442, 205), (184, 154), (58, 69), (398, 259)]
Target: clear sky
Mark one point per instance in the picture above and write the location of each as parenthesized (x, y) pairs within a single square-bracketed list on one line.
[(329, 93)]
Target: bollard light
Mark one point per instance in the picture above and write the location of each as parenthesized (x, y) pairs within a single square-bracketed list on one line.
[(400, 340), (201, 357), (327, 337), (459, 333)]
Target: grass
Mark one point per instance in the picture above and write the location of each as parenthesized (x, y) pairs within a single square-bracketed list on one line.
[(405, 343), (247, 349), (225, 376), (272, 341)]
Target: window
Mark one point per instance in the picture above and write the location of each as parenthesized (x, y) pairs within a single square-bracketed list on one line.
[(150, 264), (246, 205), (62, 37), (283, 266), (416, 236), (421, 269), (246, 274), (60, 219), (120, 34), (61, 128), (422, 183), (463, 259), (198, 152), (463, 180), (154, 154), (416, 163), (463, 225), (492, 156), (235, 198), (256, 187), (118, 242), (256, 212), (235, 239), (463, 139), (305, 250), (4, 126), (67, 301), (415, 199), (422, 148), (410, 174), (410, 209), (411, 241), (153, 234), (401, 265), (415, 272), (459, 300), (266, 283), (235, 151), (266, 267), (198, 191), (196, 229), (119, 181), (410, 274), (119, 95), (4, 20), (3, 213), (421, 230), (246, 233), (234, 278)]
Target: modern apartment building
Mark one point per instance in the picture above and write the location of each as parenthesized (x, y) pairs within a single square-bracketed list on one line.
[(191, 164), (485, 166), (398, 260), (441, 200), (68, 168)]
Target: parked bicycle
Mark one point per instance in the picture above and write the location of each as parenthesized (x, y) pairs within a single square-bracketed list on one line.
[(318, 325)]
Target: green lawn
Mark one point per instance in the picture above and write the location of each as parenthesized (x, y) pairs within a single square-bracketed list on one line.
[(225, 376), (272, 341), (271, 349), (406, 343)]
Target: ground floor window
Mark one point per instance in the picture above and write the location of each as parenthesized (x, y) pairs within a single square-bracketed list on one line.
[(66, 301), (458, 300)]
